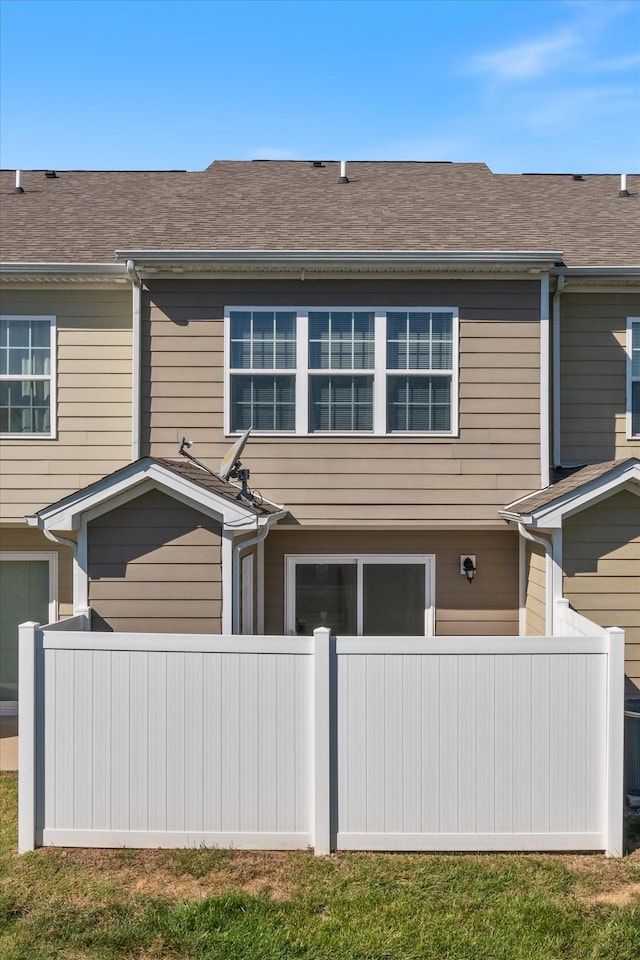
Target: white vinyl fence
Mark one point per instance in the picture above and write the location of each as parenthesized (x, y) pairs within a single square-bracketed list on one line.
[(483, 743)]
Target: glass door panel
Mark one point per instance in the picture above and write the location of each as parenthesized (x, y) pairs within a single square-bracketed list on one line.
[(326, 596), (24, 595), (393, 602)]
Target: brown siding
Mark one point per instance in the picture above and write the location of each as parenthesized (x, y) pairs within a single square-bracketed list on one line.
[(487, 606), (27, 539), (601, 548), (535, 602), (93, 398), (155, 565), (495, 459), (593, 376)]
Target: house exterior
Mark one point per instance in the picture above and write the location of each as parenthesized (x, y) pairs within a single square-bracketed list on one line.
[(438, 364)]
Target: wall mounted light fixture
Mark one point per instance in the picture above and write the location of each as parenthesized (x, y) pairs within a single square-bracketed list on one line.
[(468, 566)]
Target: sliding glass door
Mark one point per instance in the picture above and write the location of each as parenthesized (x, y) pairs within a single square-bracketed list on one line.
[(360, 595)]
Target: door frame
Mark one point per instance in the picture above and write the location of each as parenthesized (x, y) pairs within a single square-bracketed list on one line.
[(292, 560), (10, 707)]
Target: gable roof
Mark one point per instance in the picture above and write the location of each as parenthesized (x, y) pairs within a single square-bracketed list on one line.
[(184, 480), (84, 216), (547, 507)]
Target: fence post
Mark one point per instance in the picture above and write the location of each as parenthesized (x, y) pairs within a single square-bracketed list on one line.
[(615, 743), (321, 742), (27, 736)]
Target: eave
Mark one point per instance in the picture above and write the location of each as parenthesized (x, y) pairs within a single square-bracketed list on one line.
[(59, 273)]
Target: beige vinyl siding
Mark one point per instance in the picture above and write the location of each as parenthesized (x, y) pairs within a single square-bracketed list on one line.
[(155, 565), (593, 375), (29, 540), (535, 602), (487, 606), (327, 480), (93, 398), (601, 548)]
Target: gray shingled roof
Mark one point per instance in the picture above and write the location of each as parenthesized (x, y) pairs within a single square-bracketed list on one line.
[(84, 216), (227, 490), (581, 477)]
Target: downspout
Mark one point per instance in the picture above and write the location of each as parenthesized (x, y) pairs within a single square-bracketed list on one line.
[(136, 288), (235, 567), (549, 599), (62, 541), (557, 452)]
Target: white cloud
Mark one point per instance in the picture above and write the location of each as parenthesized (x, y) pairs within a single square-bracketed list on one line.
[(525, 60)]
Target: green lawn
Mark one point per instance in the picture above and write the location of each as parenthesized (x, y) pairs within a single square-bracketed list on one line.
[(77, 904)]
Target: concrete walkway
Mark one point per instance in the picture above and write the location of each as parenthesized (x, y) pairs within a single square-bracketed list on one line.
[(8, 743)]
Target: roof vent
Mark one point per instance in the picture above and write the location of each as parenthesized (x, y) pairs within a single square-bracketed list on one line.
[(623, 186), (577, 176), (317, 163), (51, 175), (343, 172), (18, 187)]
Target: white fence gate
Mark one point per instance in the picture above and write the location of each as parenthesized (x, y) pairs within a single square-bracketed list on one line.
[(483, 743)]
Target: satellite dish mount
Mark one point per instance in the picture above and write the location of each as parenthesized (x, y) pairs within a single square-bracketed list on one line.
[(231, 467)]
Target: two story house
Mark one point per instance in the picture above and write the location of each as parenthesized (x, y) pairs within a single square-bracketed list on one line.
[(439, 368)]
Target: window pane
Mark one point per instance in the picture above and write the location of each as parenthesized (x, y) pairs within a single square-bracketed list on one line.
[(25, 406), (341, 340), (263, 402), (635, 408), (419, 340), (326, 597), (418, 404), (340, 403), (393, 599), (262, 339)]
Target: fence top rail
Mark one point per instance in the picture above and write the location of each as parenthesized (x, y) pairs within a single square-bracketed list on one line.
[(476, 645), (174, 643)]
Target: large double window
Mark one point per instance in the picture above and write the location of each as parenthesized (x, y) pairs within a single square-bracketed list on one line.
[(633, 377), (342, 370), (27, 382)]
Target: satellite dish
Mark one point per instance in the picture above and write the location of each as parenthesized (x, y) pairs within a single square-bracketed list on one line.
[(232, 456)]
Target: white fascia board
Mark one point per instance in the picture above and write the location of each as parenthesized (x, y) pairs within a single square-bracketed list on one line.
[(551, 516), (67, 515), (105, 271), (526, 260), (614, 271)]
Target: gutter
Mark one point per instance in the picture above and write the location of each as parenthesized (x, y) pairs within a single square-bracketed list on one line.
[(136, 357), (60, 272), (235, 564)]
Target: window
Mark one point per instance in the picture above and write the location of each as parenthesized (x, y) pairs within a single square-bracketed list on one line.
[(27, 382), (377, 595), (633, 377), (342, 370)]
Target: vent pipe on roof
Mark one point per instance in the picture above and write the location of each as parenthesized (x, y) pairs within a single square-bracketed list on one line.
[(623, 186), (18, 187), (343, 172)]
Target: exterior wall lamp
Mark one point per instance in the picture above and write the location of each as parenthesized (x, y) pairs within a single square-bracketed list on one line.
[(468, 566)]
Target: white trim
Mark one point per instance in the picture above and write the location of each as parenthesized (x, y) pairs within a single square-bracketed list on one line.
[(136, 368), (471, 841), (260, 586), (631, 323), (556, 362), (150, 839), (557, 576), (615, 742), (50, 378), (359, 560), (81, 570), (380, 373), (545, 385), (135, 479), (522, 586), (322, 736)]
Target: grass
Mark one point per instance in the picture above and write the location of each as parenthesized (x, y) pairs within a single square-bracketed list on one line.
[(208, 904)]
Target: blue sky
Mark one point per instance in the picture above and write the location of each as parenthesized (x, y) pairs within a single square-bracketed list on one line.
[(538, 85)]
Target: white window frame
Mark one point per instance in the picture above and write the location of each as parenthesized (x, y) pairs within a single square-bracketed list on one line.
[(359, 559), (51, 378), (380, 372), (632, 323)]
